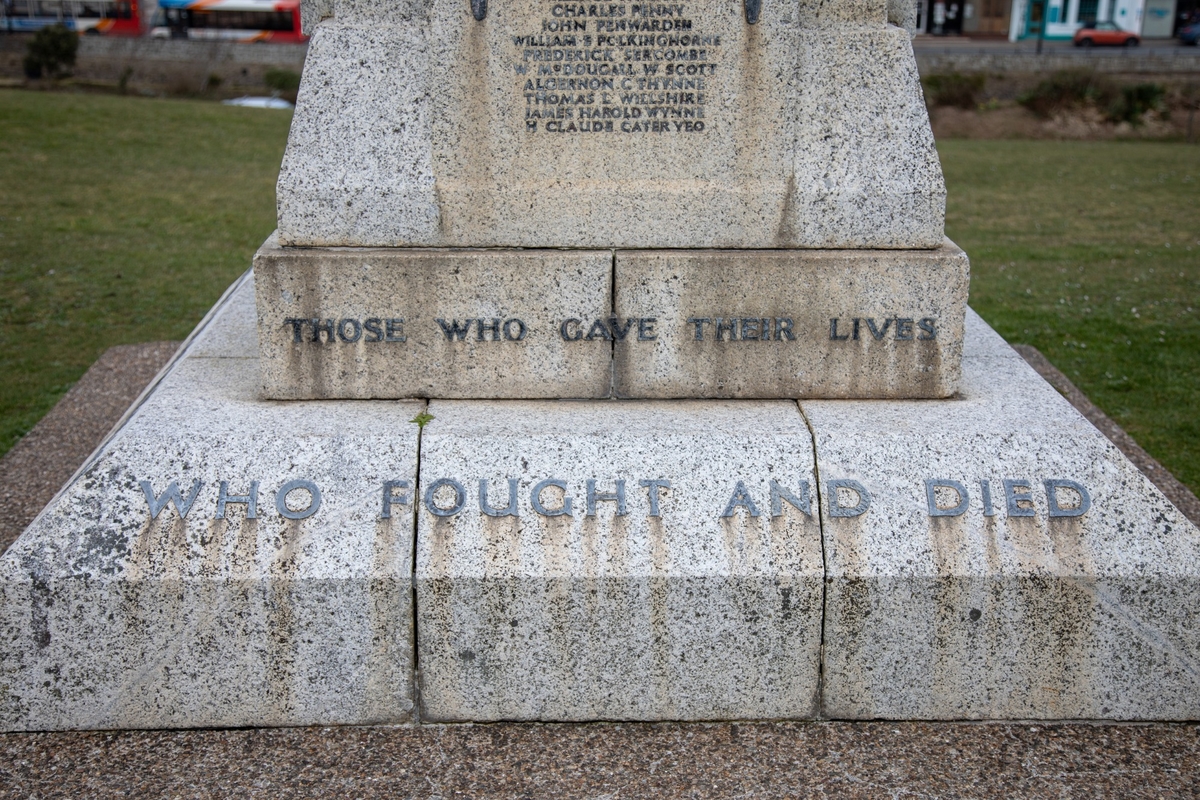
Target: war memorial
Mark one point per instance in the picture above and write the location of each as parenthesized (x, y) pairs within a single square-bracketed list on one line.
[(609, 362)]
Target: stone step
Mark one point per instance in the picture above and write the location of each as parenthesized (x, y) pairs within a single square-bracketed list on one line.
[(224, 560)]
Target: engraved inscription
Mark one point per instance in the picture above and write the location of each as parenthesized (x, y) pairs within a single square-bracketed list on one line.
[(300, 499), (763, 328), (898, 328), (640, 68)]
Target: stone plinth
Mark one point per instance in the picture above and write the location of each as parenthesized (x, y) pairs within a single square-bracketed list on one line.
[(1065, 589), (1045, 578), (138, 599), (610, 125), (485, 324), (629, 561)]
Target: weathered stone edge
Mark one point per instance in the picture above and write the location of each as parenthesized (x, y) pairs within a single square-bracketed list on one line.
[(179, 355), (1178, 493)]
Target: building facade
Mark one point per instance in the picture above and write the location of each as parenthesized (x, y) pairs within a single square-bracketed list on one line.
[(1149, 19), (971, 18), (1023, 19)]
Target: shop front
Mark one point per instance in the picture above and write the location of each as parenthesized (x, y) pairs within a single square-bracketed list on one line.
[(1062, 18), (958, 18)]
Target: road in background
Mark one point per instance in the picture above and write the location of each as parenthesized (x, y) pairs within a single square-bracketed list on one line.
[(958, 45)]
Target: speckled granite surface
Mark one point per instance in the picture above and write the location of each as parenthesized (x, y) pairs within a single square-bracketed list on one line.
[(760, 760)]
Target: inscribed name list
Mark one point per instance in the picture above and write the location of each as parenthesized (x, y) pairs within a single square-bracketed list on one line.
[(616, 68)]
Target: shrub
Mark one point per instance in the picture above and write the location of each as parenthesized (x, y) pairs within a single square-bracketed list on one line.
[(51, 52), (1066, 90), (282, 80), (953, 89), (1069, 89), (1134, 101)]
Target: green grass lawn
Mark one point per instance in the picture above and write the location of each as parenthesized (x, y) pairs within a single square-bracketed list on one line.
[(122, 220), (1091, 253)]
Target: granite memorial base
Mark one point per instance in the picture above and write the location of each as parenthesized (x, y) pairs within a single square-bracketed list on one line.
[(526, 324), (225, 560)]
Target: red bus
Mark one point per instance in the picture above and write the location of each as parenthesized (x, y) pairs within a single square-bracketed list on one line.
[(234, 20), (117, 17)]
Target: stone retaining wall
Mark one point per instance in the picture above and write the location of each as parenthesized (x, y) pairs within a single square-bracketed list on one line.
[(185, 66), (1161, 62), (165, 65)]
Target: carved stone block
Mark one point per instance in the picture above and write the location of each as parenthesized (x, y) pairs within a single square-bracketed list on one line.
[(1012, 564), (792, 323), (633, 560), (610, 125), (394, 323)]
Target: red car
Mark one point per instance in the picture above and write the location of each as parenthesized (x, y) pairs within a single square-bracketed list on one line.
[(1104, 33)]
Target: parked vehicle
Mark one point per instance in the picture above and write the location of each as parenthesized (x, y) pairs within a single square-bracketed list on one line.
[(1102, 33), (234, 20), (1189, 34), (117, 17)]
